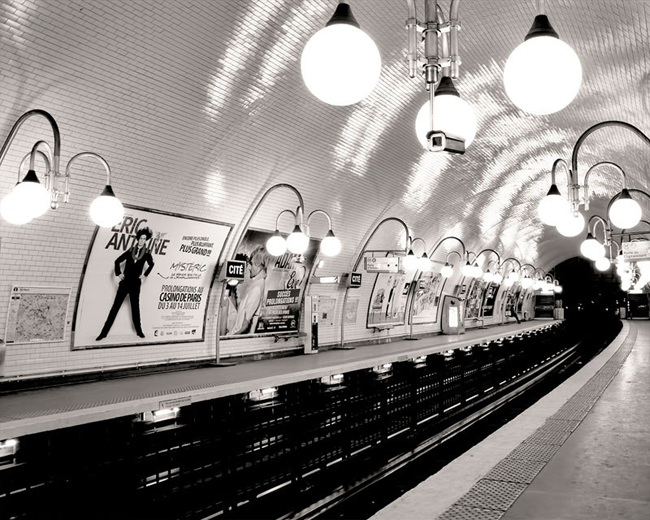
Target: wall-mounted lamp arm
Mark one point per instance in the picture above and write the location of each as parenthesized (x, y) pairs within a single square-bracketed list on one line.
[(597, 126), (531, 266), (539, 270), (444, 240), (413, 241), (80, 156), (592, 224), (454, 252), (594, 167), (511, 260), (283, 212), (321, 212), (454, 27), (56, 155), (372, 234), (489, 250), (27, 158)]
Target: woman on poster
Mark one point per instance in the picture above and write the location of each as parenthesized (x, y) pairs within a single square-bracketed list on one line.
[(248, 308), (130, 281)]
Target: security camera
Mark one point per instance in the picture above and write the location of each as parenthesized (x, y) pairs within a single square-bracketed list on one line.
[(437, 141)]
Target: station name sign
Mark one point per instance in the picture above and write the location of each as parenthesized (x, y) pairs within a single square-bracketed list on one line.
[(235, 269), (636, 251), (354, 280), (388, 264)]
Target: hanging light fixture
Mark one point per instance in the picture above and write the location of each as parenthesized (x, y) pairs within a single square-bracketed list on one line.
[(424, 263), (410, 261), (452, 115), (591, 248), (331, 245), (553, 207), (467, 270), (543, 74), (571, 224), (447, 270), (298, 240), (603, 263), (498, 278), (625, 212), (557, 288), (276, 245), (340, 63), (30, 199)]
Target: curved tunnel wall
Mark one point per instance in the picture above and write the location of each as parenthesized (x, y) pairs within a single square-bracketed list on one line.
[(198, 110)]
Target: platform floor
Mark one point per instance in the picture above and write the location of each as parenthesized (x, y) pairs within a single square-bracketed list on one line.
[(581, 452), (41, 410)]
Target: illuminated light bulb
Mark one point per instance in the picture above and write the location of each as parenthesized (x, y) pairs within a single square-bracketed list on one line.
[(543, 74), (276, 245), (424, 264), (509, 282), (557, 289), (603, 263), (467, 270), (571, 225), (107, 210), (527, 282), (31, 195), (452, 115), (498, 278), (625, 212), (297, 241), (477, 272), (537, 285), (410, 261), (331, 245), (552, 207), (488, 276), (13, 212), (340, 63), (591, 248), (446, 271)]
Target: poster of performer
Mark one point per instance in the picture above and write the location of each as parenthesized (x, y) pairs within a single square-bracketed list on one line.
[(388, 300), (268, 301), (147, 280), (427, 298), (488, 303), (474, 299)]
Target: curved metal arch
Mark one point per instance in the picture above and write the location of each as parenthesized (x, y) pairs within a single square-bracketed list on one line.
[(451, 237)]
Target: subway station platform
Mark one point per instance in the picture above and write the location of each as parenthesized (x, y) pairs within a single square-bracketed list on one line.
[(581, 452), (54, 408)]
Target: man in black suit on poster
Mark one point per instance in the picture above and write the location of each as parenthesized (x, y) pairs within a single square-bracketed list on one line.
[(130, 281)]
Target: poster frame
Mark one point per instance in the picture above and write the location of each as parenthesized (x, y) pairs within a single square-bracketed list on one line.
[(217, 268), (438, 311)]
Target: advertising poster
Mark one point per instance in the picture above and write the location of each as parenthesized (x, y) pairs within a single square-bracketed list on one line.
[(147, 280), (36, 314), (351, 309), (388, 300), (427, 298), (520, 299), (268, 301), (474, 299), (326, 308), (488, 303)]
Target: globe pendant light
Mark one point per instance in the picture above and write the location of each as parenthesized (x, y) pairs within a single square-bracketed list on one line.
[(498, 278), (107, 210), (467, 270), (603, 263), (625, 212), (477, 272), (571, 225), (543, 74), (424, 264), (410, 261), (446, 271), (451, 115), (340, 63), (553, 207), (297, 241), (276, 245), (31, 195), (330, 246), (591, 248), (13, 212), (488, 276), (557, 288)]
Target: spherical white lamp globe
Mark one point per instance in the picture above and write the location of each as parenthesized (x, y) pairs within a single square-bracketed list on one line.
[(571, 225), (543, 74), (32, 195), (107, 210), (508, 282), (625, 212), (498, 278), (331, 245), (488, 276), (446, 271), (340, 63), (297, 241), (276, 245), (557, 289), (13, 212), (591, 248), (452, 115), (603, 263), (477, 272), (467, 270), (552, 207), (424, 264), (410, 261)]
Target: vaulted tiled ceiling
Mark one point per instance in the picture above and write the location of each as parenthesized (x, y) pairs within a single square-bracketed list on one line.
[(201, 105)]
